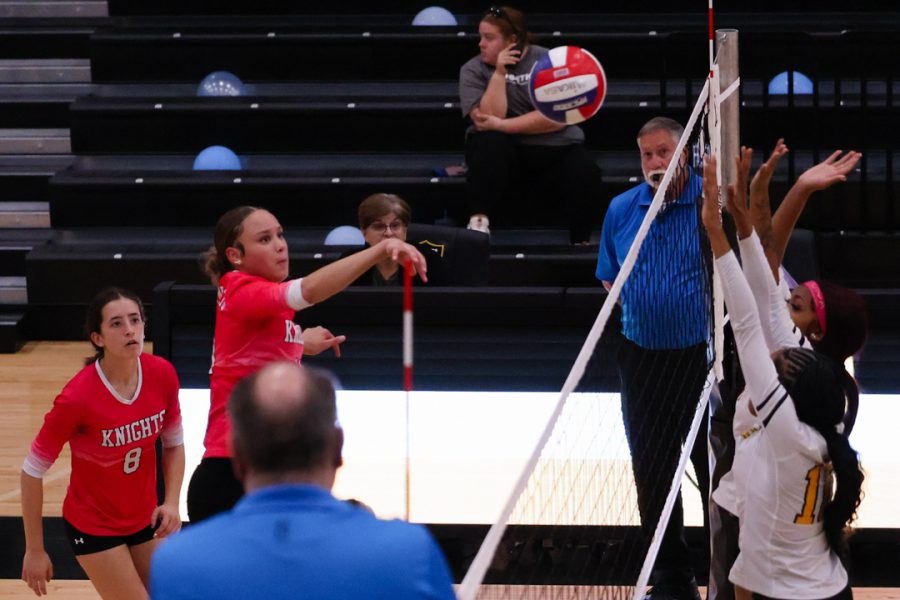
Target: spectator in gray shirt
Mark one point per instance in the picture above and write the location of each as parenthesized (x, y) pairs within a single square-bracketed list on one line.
[(508, 139)]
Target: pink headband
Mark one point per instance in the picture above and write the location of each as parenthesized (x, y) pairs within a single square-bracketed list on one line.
[(818, 302)]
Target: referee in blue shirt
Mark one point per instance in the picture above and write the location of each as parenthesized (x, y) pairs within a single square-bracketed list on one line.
[(663, 359)]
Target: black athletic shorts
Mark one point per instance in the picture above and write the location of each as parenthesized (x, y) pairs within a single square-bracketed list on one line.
[(85, 543), (213, 489)]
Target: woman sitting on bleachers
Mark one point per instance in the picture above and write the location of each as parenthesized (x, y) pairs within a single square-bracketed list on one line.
[(509, 140), (383, 217)]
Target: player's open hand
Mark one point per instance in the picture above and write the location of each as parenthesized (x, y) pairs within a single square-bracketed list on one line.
[(168, 518), (833, 169), (737, 193), (401, 252), (318, 339), (760, 209), (37, 570), (711, 213)]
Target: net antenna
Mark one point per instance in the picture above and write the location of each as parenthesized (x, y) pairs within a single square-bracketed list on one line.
[(705, 116)]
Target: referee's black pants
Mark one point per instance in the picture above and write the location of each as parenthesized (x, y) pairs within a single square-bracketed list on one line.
[(660, 392)]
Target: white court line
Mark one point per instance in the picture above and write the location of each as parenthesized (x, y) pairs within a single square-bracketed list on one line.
[(64, 472)]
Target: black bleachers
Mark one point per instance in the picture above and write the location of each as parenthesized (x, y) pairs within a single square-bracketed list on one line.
[(774, 12), (310, 156), (472, 331), (303, 191)]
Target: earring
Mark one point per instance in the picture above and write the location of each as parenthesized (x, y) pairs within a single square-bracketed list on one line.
[(815, 336), (237, 263)]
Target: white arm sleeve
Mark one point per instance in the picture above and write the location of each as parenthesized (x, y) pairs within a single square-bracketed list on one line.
[(777, 327), (770, 400), (294, 295), (35, 466), (756, 362), (173, 436)]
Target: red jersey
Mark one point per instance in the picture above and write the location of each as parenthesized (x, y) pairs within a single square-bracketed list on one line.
[(112, 489), (254, 327)]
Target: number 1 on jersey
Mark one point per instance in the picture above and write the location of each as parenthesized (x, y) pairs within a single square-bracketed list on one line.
[(811, 497)]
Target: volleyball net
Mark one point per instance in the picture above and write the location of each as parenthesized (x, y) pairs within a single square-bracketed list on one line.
[(576, 523)]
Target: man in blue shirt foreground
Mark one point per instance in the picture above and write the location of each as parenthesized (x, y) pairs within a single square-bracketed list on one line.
[(662, 361), (289, 537)]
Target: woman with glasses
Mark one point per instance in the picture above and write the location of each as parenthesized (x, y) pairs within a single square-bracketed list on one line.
[(249, 265), (383, 217), (508, 138)]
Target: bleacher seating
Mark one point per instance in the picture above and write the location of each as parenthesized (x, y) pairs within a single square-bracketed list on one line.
[(352, 100)]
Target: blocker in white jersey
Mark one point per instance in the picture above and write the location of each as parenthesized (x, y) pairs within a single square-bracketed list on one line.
[(788, 431)]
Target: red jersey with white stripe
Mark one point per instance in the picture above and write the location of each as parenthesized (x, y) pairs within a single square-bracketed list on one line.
[(254, 327), (112, 489)]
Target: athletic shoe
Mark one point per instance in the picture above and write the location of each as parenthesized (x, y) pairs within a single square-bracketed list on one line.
[(480, 223), (670, 592)]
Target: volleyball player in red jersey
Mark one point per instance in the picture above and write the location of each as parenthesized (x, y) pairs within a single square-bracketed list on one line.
[(254, 326), (111, 414)]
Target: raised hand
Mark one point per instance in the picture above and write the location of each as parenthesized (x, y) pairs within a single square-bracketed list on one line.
[(760, 207), (711, 213), (737, 193), (508, 57), (832, 170)]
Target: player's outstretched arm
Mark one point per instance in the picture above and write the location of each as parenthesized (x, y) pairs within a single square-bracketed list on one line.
[(37, 569), (324, 283), (760, 207), (711, 212), (737, 194), (830, 171)]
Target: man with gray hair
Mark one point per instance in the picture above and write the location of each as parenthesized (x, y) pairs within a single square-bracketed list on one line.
[(663, 358), (289, 537)]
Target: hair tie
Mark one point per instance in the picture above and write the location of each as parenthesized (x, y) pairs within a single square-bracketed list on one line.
[(818, 302)]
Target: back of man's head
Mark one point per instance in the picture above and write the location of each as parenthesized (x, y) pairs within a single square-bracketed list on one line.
[(283, 420)]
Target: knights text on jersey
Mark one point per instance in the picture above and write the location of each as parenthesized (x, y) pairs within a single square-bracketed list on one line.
[(254, 327), (112, 489)]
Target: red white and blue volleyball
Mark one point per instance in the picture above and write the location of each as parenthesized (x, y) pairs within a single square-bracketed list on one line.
[(567, 85)]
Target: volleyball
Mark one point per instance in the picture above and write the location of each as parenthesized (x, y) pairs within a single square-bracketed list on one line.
[(567, 85)]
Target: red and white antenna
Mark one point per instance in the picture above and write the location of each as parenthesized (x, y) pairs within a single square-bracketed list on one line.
[(407, 363), (712, 34)]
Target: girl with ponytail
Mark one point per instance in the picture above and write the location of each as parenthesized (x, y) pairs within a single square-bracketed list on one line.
[(255, 311)]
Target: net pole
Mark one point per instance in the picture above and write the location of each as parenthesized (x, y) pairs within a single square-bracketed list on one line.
[(475, 575), (729, 105), (407, 373)]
